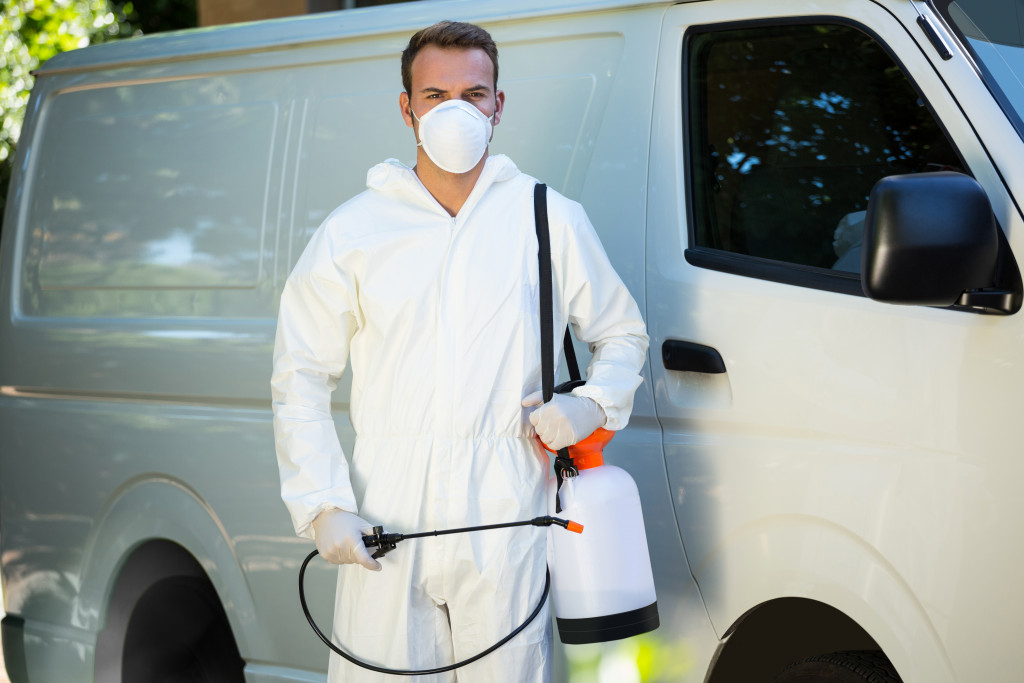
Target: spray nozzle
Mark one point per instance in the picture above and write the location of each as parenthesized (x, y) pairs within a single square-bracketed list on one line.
[(564, 523)]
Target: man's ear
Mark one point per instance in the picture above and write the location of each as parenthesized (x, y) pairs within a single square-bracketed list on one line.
[(499, 106), (404, 105)]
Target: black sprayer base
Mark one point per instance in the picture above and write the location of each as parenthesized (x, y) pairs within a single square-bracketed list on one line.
[(609, 627)]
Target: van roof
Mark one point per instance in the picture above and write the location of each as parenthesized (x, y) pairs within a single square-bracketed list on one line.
[(319, 27)]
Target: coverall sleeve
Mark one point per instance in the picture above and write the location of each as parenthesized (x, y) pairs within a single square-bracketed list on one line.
[(602, 313), (319, 315)]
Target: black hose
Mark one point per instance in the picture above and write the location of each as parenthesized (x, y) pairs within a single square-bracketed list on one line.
[(402, 672)]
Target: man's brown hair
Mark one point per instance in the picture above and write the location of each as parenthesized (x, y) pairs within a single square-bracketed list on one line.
[(448, 34)]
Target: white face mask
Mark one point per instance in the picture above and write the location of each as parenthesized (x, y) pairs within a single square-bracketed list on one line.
[(454, 134)]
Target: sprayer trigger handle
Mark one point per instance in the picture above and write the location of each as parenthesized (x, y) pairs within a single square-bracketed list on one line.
[(384, 543), (373, 540)]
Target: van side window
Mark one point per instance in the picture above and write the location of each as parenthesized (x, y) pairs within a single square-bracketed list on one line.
[(124, 222), (789, 129)]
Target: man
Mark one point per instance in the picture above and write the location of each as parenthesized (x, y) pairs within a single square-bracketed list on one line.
[(428, 279)]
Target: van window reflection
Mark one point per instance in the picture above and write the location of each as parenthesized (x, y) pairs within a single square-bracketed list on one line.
[(791, 127)]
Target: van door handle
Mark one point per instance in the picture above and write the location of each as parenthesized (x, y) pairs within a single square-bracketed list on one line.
[(690, 357)]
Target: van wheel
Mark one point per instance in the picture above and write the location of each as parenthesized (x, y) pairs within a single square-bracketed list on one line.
[(178, 633), (860, 666)]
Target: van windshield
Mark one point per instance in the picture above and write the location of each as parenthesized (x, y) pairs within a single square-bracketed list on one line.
[(994, 32)]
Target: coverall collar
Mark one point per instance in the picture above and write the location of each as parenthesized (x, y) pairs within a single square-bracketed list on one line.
[(394, 176)]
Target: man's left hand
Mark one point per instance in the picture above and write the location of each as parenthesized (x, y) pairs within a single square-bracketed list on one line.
[(564, 420)]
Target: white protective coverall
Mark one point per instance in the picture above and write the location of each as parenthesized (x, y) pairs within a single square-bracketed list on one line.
[(440, 317)]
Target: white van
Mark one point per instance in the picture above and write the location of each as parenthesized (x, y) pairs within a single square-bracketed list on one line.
[(827, 443)]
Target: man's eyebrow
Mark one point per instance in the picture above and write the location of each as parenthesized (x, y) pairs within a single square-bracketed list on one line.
[(472, 88)]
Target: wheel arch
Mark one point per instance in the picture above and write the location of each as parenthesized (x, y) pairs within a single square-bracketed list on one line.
[(795, 577), (779, 632), (156, 528)]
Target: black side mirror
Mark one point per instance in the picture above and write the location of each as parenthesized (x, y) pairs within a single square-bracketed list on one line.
[(930, 239)]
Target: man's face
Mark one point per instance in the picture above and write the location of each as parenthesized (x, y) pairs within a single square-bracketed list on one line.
[(440, 74)]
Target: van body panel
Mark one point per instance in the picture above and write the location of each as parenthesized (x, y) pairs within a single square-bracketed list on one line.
[(856, 454), (157, 364), (262, 673), (394, 26), (851, 453), (56, 653)]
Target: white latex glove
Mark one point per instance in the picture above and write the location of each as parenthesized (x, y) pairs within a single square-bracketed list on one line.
[(564, 420), (339, 538)]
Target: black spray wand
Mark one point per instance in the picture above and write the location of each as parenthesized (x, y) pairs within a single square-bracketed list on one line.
[(385, 543)]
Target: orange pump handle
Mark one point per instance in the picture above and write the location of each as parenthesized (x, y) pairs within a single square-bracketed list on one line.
[(590, 451)]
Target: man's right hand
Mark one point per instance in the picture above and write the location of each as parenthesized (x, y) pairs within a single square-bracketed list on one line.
[(339, 538)]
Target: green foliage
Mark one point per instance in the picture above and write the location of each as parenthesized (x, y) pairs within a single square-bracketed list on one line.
[(32, 32), (153, 16)]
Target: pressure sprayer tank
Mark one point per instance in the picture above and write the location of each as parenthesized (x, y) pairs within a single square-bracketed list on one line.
[(601, 580)]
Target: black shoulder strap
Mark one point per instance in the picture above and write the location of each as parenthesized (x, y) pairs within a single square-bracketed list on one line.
[(540, 210), (563, 463), (547, 352), (570, 356)]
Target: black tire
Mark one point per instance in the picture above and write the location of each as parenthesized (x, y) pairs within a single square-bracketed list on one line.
[(860, 666), (178, 633)]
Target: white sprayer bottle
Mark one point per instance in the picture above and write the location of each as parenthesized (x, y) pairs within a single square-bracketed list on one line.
[(601, 579)]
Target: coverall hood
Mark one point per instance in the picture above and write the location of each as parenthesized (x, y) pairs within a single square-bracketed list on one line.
[(392, 175)]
